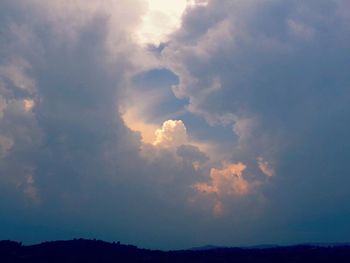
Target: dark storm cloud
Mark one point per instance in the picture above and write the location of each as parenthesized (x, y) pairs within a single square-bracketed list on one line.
[(191, 153), (69, 166), (277, 71)]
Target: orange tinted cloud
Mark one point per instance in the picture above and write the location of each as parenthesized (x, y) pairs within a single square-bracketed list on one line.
[(226, 181), (28, 104), (133, 121)]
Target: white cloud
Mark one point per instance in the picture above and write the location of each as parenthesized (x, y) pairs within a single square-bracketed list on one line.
[(172, 134), (161, 19)]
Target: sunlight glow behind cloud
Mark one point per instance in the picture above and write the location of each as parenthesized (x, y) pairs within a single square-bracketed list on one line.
[(134, 122), (161, 18)]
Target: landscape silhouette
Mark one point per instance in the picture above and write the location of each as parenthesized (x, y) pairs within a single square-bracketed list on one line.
[(83, 250)]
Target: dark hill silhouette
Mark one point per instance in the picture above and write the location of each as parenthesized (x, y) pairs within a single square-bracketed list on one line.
[(91, 251)]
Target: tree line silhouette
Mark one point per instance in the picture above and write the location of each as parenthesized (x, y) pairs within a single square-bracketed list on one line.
[(93, 251)]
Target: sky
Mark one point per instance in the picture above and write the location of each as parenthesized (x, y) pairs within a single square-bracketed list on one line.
[(174, 124)]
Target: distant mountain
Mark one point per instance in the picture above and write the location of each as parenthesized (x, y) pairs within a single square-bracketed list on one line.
[(334, 244), (207, 247), (265, 246), (96, 251)]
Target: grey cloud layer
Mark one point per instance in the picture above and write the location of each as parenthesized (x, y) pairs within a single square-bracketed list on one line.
[(275, 72), (68, 164)]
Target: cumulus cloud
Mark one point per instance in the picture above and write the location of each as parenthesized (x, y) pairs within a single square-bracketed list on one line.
[(228, 180), (172, 134)]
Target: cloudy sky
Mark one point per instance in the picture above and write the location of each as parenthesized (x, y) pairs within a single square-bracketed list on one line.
[(173, 124)]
